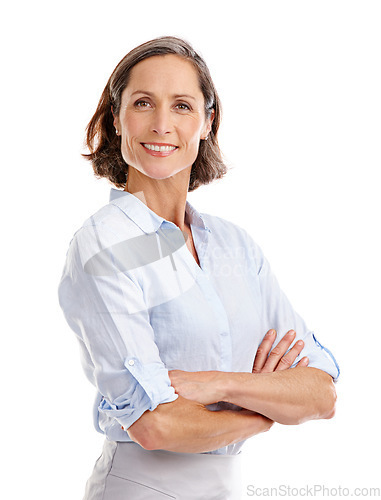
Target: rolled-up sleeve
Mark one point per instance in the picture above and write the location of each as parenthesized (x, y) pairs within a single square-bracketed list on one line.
[(110, 319), (278, 313)]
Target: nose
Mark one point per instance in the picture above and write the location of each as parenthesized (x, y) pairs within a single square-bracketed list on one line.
[(161, 120)]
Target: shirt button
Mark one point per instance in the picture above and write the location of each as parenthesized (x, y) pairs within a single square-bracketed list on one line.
[(131, 362)]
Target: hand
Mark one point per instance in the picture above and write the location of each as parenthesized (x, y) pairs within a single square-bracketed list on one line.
[(206, 387), (197, 386), (202, 388), (279, 358)]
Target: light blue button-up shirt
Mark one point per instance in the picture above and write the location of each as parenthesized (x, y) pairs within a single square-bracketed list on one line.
[(140, 305)]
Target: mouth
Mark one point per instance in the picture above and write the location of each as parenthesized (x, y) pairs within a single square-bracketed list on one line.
[(159, 148)]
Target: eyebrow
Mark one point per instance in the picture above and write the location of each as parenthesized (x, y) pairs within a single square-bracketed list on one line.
[(175, 96)]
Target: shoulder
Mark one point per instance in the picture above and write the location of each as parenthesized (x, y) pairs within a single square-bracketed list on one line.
[(218, 224), (106, 227), (230, 234), (111, 216), (224, 228)]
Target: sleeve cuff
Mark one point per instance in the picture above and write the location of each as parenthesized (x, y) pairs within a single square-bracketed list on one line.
[(319, 356), (152, 387)]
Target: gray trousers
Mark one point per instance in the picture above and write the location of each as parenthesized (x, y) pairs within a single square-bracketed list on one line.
[(126, 471)]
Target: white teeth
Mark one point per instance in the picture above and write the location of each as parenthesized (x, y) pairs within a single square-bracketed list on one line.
[(153, 147)]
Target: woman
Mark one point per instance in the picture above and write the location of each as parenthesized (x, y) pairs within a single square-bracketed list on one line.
[(171, 306)]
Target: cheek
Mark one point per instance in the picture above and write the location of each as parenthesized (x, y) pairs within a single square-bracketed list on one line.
[(132, 127), (192, 133)]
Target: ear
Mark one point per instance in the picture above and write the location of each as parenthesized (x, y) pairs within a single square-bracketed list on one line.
[(116, 121), (208, 125)]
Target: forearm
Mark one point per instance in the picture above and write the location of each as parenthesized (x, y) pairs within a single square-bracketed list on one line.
[(188, 427), (288, 397)]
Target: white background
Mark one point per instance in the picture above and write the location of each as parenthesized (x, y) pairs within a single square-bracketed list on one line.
[(300, 85)]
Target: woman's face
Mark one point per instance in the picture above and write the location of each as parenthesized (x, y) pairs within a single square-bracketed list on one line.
[(162, 117)]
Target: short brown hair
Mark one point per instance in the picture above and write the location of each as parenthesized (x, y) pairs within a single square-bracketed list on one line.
[(104, 144)]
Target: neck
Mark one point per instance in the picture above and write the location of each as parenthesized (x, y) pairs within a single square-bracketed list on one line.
[(166, 197)]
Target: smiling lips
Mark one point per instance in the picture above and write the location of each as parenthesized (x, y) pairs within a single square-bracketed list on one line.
[(156, 149)]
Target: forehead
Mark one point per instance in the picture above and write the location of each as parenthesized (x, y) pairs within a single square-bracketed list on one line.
[(169, 73)]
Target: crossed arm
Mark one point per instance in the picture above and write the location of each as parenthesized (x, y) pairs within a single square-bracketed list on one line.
[(285, 396), (271, 393)]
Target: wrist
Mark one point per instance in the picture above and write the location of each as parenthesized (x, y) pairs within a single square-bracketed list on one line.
[(240, 388), (225, 385)]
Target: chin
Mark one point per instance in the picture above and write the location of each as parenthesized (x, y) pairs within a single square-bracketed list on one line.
[(160, 173)]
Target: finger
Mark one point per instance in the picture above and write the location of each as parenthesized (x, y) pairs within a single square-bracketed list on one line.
[(289, 358), (278, 351), (263, 351), (303, 362)]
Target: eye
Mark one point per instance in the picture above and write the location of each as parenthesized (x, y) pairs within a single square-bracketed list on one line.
[(183, 106), (141, 103)]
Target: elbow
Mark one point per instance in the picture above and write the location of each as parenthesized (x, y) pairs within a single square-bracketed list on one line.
[(324, 406), (153, 441), (146, 433), (331, 412), (330, 401), (145, 440)]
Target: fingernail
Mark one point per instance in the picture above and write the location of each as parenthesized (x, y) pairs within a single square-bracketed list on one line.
[(270, 333), (300, 342)]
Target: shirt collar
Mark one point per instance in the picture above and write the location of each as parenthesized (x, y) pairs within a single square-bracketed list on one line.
[(144, 217)]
